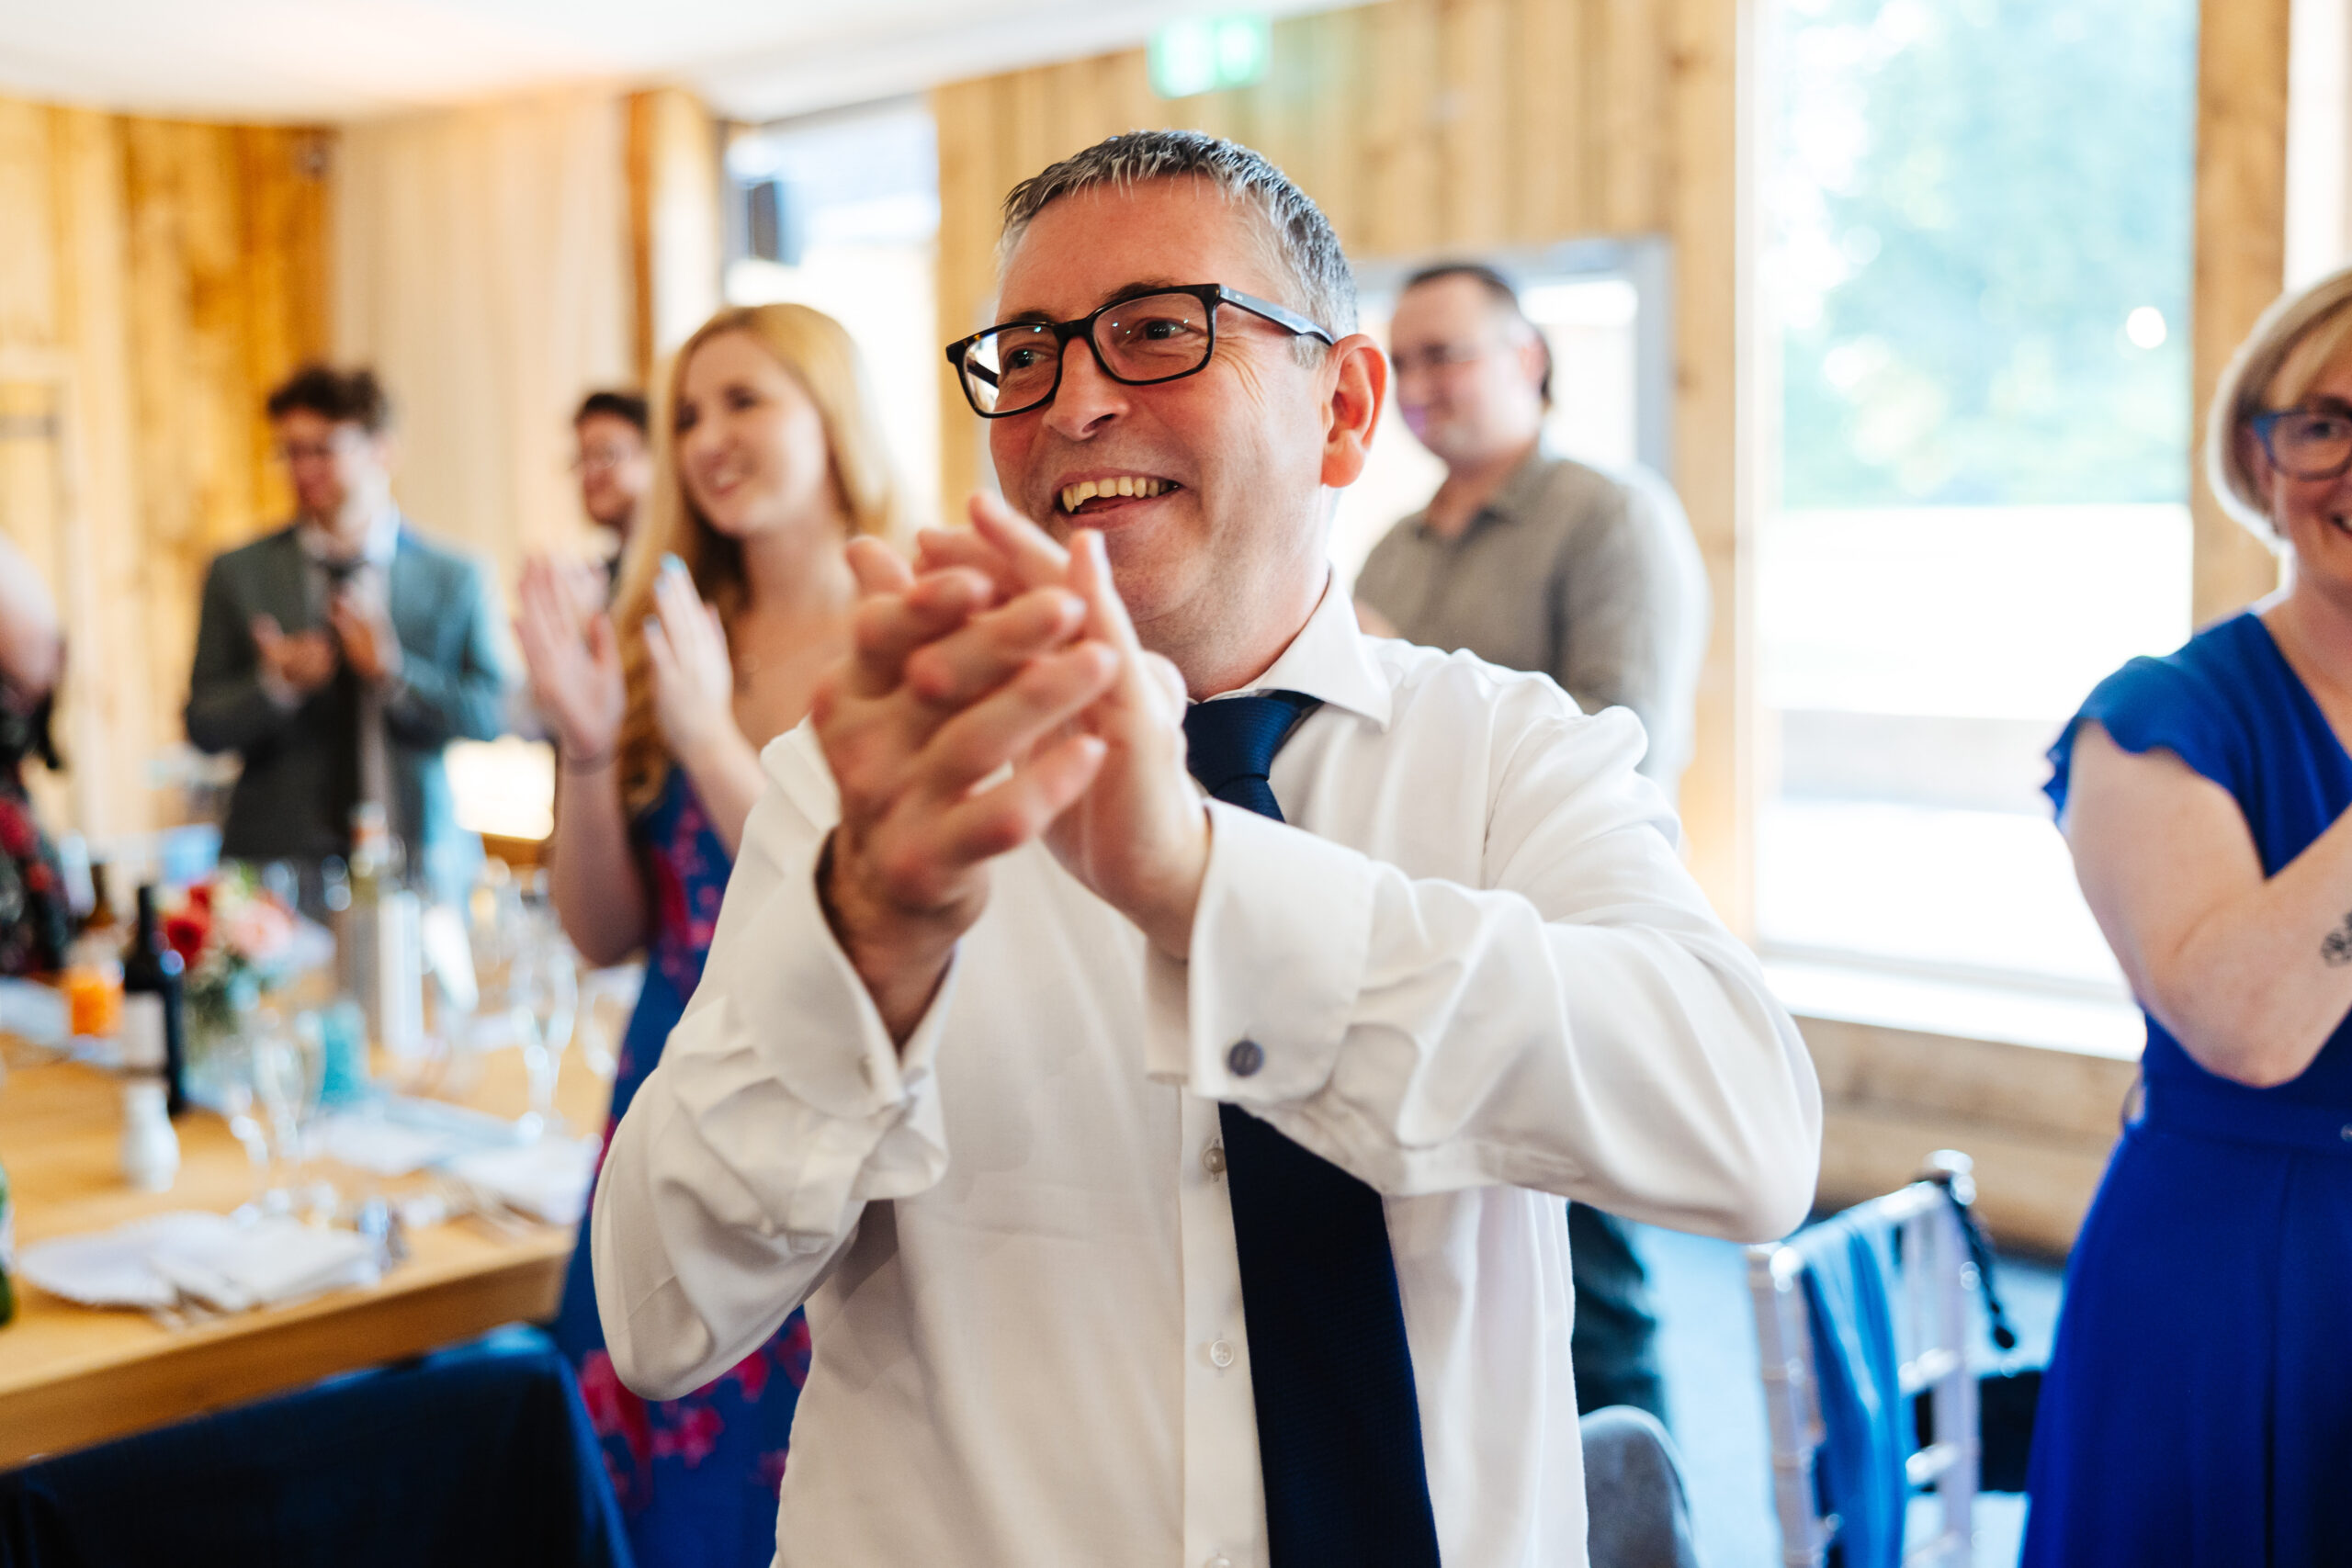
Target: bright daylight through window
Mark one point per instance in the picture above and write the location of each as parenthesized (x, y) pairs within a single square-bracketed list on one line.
[(850, 212), (1979, 270)]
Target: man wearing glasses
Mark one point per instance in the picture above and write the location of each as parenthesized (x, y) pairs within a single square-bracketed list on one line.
[(614, 463), (1529, 560), (1150, 1023), (340, 655)]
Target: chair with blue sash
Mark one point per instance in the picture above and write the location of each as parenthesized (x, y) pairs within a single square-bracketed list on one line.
[(1856, 1318)]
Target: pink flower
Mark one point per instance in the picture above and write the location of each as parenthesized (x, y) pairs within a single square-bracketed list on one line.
[(613, 1410), (751, 1373), (694, 1434), (259, 931), (792, 1351)]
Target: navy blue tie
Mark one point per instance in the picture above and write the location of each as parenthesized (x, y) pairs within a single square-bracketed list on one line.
[(1339, 1431)]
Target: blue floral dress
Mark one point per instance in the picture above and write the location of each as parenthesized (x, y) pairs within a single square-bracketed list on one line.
[(696, 1477)]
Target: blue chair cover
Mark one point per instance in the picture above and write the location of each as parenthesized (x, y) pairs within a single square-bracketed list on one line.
[(482, 1454), (1859, 1470)]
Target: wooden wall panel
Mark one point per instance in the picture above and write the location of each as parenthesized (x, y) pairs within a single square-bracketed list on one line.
[(675, 221), (2242, 58), (158, 277)]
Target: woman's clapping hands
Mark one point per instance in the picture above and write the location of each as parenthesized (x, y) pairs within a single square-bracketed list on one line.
[(694, 676), (574, 661)]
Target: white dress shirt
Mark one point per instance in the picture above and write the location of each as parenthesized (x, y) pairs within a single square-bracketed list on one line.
[(1482, 982)]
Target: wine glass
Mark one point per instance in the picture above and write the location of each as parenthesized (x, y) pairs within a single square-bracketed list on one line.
[(233, 1095), (543, 991), (288, 1067)]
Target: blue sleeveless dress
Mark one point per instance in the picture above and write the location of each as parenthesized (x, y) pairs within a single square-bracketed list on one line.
[(2198, 1409), (696, 1477)]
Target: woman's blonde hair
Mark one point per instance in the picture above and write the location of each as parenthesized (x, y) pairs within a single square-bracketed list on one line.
[(2290, 347), (817, 352)]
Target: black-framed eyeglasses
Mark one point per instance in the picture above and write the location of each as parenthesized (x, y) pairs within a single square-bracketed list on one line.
[(2307, 443), (1139, 340)]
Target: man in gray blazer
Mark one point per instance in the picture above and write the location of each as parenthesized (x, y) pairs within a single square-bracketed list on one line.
[(341, 654)]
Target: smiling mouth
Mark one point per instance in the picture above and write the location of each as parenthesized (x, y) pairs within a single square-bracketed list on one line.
[(1089, 497)]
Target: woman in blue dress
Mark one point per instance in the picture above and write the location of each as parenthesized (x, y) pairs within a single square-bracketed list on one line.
[(731, 603), (2197, 1408)]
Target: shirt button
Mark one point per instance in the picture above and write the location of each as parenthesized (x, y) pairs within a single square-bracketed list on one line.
[(1213, 1158), (1246, 1057), (1221, 1354), (1219, 1561)]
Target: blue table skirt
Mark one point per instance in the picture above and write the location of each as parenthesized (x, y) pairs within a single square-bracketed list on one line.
[(481, 1454)]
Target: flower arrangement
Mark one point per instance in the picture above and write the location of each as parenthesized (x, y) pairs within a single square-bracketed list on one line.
[(236, 942)]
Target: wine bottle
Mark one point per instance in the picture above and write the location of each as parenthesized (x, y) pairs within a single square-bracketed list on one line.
[(154, 1038)]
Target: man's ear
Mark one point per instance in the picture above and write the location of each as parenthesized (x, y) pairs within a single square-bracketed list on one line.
[(1359, 374), (1534, 359)]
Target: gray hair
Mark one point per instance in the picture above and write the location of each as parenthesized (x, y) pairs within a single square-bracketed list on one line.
[(1300, 243)]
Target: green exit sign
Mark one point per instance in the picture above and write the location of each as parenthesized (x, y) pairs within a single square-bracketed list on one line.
[(1202, 54)]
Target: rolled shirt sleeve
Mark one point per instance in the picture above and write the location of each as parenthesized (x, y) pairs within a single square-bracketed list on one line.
[(1579, 1023)]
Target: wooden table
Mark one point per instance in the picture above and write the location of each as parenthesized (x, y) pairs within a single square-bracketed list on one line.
[(72, 1375)]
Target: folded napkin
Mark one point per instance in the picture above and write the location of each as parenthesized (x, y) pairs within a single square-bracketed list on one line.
[(549, 1178), (227, 1266), (268, 1263), (394, 1134), (106, 1267)]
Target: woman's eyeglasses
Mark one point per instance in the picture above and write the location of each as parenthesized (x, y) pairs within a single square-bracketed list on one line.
[(1140, 340), (2307, 444)]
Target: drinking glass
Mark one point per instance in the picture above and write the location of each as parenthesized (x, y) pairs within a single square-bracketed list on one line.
[(543, 991), (233, 1061), (288, 1067)]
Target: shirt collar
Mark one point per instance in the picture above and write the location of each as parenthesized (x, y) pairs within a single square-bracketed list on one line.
[(1519, 492), (383, 541), (1330, 660), (1511, 499)]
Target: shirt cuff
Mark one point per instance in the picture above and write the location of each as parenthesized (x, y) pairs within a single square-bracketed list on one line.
[(865, 1072), (1279, 942)]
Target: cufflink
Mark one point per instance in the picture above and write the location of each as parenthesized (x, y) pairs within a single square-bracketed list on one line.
[(1246, 1057)]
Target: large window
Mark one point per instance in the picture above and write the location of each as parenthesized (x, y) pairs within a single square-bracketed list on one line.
[(840, 211), (1978, 272)]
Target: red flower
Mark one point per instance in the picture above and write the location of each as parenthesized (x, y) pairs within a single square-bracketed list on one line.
[(16, 835), (199, 897), (186, 935)]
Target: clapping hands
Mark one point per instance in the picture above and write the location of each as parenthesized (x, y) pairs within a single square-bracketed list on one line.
[(574, 660), (362, 623), (996, 693), (694, 677), (303, 661)]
